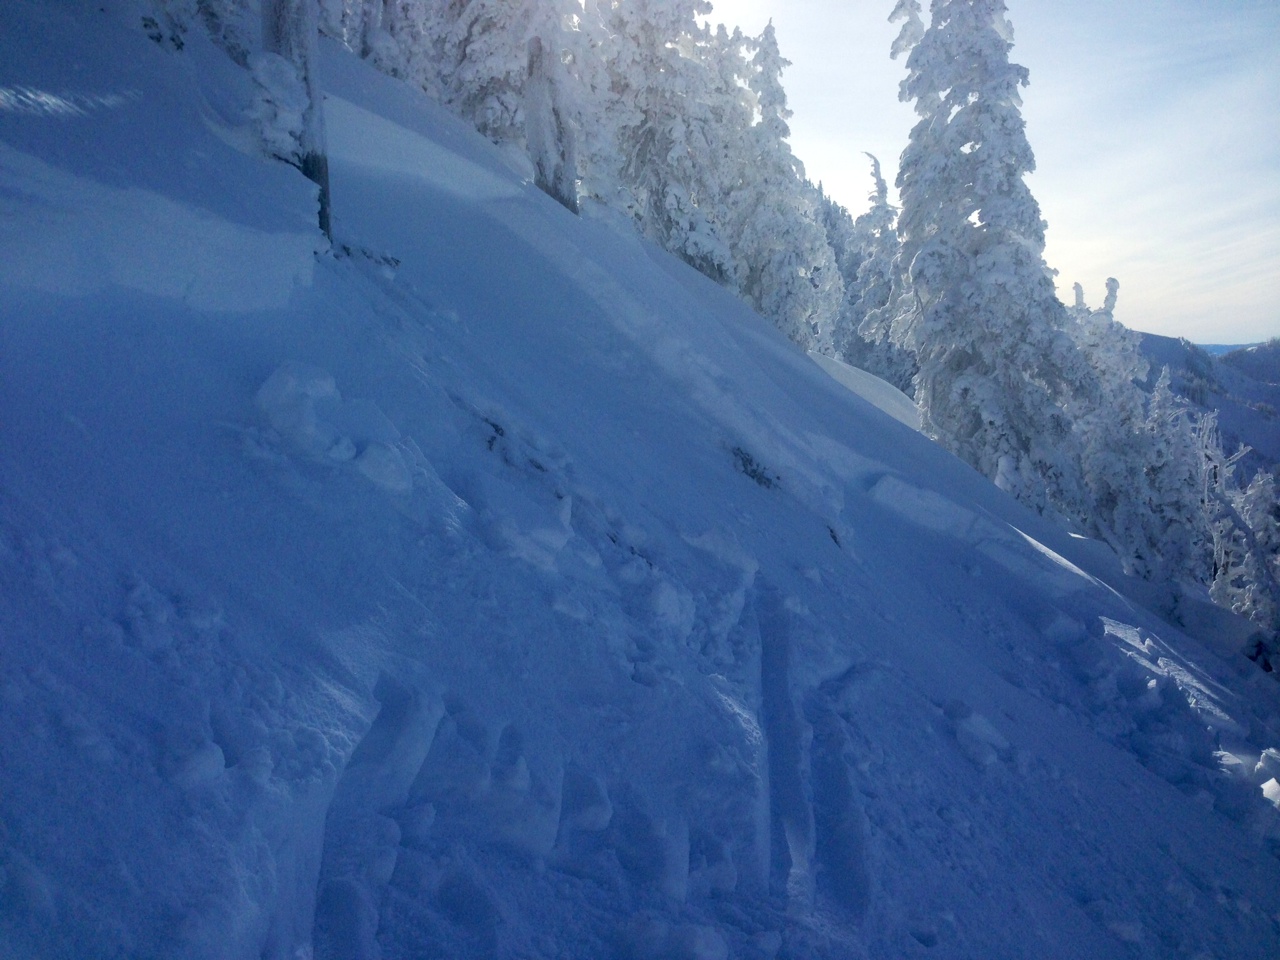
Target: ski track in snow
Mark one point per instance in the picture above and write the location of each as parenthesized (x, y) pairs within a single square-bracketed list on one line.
[(494, 586)]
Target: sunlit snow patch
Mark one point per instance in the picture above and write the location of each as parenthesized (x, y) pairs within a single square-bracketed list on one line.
[(362, 138), (64, 234), (872, 389), (42, 103), (932, 511)]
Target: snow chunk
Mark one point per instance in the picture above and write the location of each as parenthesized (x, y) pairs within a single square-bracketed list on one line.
[(303, 405), (1271, 790), (527, 522), (288, 400), (1268, 763), (929, 510), (724, 546), (585, 804), (384, 465), (203, 765), (980, 741), (674, 610)]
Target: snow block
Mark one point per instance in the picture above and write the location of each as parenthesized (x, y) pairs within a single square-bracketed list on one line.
[(202, 766), (385, 762), (1268, 764), (585, 804), (384, 466), (929, 510), (362, 842), (1271, 790), (288, 400), (303, 405), (791, 825), (980, 741)]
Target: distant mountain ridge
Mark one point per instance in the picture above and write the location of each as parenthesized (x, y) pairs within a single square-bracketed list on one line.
[(1261, 361), (1218, 349), (1243, 385)]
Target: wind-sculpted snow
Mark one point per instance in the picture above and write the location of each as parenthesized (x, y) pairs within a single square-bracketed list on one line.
[(70, 236), (403, 153), (507, 589), (48, 104), (872, 389)]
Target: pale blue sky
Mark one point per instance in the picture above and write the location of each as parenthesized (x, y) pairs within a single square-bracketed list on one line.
[(1156, 129)]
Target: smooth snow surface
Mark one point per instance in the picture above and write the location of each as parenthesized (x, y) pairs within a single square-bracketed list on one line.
[(872, 389), (492, 585)]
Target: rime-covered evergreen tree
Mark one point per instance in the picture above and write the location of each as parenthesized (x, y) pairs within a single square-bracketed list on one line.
[(1124, 451), (1174, 484), (731, 108), (652, 153), (866, 250), (1245, 531), (786, 265), (484, 61), (878, 238), (1258, 507), (996, 368)]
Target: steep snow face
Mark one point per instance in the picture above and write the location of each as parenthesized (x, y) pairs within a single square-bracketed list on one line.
[(492, 585), (871, 388)]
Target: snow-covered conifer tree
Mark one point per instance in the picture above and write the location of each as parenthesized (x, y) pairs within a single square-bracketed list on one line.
[(1174, 469), (1122, 450), (483, 47), (1258, 507), (730, 115), (652, 154), (846, 246), (996, 366), (1243, 525), (862, 337), (786, 266), (878, 238)]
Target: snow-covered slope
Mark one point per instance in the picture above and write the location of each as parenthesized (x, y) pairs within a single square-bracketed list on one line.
[(493, 585), (872, 389), (1260, 362)]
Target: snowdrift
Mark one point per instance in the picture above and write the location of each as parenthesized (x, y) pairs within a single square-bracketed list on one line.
[(490, 584)]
